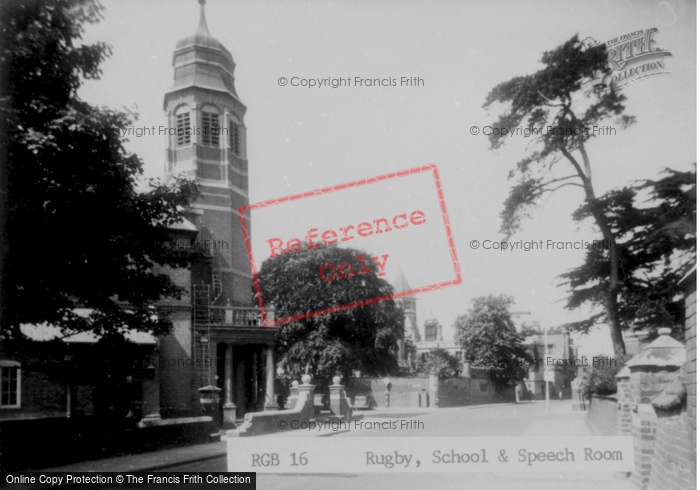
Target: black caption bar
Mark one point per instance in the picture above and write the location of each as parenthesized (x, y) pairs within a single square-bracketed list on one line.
[(106, 480)]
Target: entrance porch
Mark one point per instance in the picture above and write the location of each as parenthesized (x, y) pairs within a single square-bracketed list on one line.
[(242, 366)]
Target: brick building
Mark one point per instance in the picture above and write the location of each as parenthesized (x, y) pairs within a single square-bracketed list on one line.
[(218, 340)]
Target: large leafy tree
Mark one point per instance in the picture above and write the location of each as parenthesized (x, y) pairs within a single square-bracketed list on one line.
[(564, 110), (655, 221), (361, 338), (76, 232), (489, 339)]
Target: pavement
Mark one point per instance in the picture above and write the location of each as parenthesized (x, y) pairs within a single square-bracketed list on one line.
[(524, 419)]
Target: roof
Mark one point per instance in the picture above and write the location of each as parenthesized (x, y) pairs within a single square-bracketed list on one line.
[(45, 332), (435, 344), (183, 225), (690, 277), (663, 352), (202, 37), (400, 282), (202, 62)]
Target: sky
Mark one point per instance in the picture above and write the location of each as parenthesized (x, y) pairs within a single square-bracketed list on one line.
[(304, 138)]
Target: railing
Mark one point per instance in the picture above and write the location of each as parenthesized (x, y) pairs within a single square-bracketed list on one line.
[(239, 316)]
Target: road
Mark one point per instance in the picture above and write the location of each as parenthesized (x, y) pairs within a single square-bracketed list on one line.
[(524, 420)]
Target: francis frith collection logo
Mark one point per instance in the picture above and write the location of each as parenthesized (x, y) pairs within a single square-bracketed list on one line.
[(626, 59)]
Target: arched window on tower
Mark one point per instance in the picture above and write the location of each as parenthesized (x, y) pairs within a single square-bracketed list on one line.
[(211, 128), (182, 121)]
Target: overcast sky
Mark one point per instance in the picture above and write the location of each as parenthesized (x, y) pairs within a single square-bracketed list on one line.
[(300, 139)]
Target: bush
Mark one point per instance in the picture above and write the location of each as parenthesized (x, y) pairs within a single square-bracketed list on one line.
[(601, 378)]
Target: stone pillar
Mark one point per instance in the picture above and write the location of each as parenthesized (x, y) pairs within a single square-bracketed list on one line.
[(339, 405), (293, 395), (306, 394), (240, 388), (336, 392), (433, 385), (651, 372), (228, 313), (229, 406), (150, 390), (210, 361), (270, 402), (624, 402), (256, 382)]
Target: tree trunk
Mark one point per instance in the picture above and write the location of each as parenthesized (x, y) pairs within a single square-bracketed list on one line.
[(598, 212), (614, 285)]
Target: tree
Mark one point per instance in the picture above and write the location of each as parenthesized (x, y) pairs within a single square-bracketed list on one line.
[(362, 338), (77, 233), (656, 225), (488, 337), (439, 361), (545, 101)]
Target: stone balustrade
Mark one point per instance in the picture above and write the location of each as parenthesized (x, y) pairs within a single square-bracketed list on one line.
[(239, 316)]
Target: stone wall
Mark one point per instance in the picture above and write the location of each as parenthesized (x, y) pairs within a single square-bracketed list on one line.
[(452, 392), (602, 415), (673, 457), (178, 388), (57, 441), (404, 391), (460, 392)]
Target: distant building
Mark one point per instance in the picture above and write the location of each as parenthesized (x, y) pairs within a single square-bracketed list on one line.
[(407, 353), (561, 359), (432, 333)]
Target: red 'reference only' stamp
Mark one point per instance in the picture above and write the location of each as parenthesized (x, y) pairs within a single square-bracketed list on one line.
[(411, 227)]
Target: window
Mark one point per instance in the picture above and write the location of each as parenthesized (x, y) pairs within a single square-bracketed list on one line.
[(430, 333), (9, 384), (210, 129), (184, 131), (459, 355), (233, 141)]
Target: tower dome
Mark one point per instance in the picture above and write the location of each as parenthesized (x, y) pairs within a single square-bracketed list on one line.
[(202, 37), (200, 60)]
